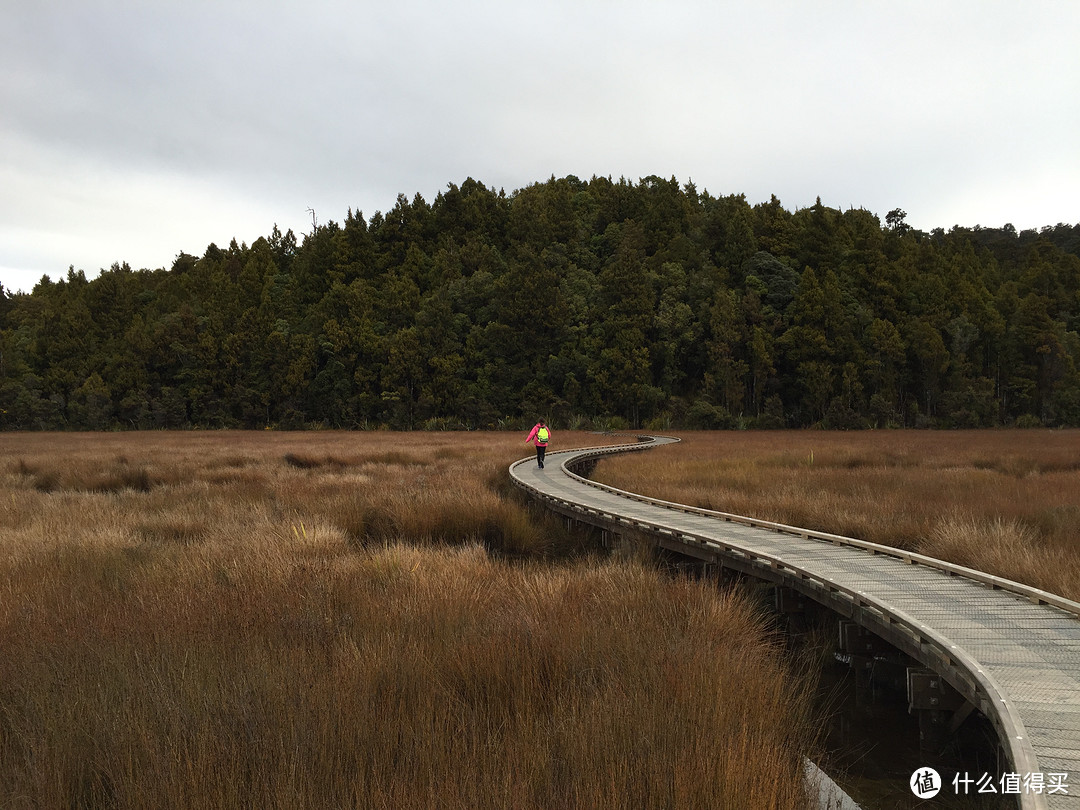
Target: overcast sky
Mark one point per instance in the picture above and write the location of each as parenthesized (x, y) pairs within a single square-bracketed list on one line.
[(132, 131)]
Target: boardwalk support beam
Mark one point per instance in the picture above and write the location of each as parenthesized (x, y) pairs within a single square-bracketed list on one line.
[(939, 707)]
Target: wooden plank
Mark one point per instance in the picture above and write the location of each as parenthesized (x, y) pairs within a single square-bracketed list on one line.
[(1051, 721)]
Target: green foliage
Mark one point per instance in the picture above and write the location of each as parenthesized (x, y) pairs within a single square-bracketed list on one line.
[(596, 302)]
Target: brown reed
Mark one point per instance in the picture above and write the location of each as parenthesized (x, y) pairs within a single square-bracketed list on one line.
[(247, 630)]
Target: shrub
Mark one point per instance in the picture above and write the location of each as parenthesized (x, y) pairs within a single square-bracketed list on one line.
[(703, 415)]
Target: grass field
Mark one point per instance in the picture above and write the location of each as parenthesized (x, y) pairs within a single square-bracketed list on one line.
[(358, 620), (1006, 502)]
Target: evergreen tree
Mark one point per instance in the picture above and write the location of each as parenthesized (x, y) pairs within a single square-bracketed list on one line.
[(600, 298)]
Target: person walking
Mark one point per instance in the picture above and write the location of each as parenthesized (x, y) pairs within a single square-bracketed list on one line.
[(540, 436)]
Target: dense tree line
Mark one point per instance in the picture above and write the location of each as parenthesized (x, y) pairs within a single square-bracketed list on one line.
[(586, 301)]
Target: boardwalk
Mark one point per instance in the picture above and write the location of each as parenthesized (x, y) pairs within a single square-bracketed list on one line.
[(1010, 650)]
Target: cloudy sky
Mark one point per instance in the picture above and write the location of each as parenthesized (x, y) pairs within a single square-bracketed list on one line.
[(132, 131)]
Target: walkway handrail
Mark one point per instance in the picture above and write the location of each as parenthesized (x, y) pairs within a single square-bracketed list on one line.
[(981, 689)]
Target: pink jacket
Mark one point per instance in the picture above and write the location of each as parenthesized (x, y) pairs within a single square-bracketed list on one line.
[(532, 436)]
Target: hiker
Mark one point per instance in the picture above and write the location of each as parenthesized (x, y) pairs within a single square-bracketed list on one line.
[(540, 435)]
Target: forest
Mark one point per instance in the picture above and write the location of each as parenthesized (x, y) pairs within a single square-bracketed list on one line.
[(596, 303)]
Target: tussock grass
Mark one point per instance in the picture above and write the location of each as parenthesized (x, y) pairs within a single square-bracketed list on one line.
[(1004, 502), (253, 632), (399, 678), (54, 475), (221, 487)]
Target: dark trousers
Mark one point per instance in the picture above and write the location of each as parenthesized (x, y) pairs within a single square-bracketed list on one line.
[(540, 449)]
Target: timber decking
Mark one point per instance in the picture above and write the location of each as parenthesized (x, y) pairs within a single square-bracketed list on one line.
[(1011, 650)]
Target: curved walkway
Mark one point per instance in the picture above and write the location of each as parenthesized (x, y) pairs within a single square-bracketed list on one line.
[(1010, 650)]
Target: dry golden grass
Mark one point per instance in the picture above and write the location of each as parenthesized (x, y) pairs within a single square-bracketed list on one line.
[(230, 620), (225, 488), (1005, 502)]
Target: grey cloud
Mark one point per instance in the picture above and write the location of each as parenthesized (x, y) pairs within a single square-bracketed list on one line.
[(277, 106)]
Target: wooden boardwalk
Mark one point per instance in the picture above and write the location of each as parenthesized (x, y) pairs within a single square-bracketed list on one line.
[(1009, 650)]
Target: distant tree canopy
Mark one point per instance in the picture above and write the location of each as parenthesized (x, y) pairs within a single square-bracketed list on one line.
[(599, 301)]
